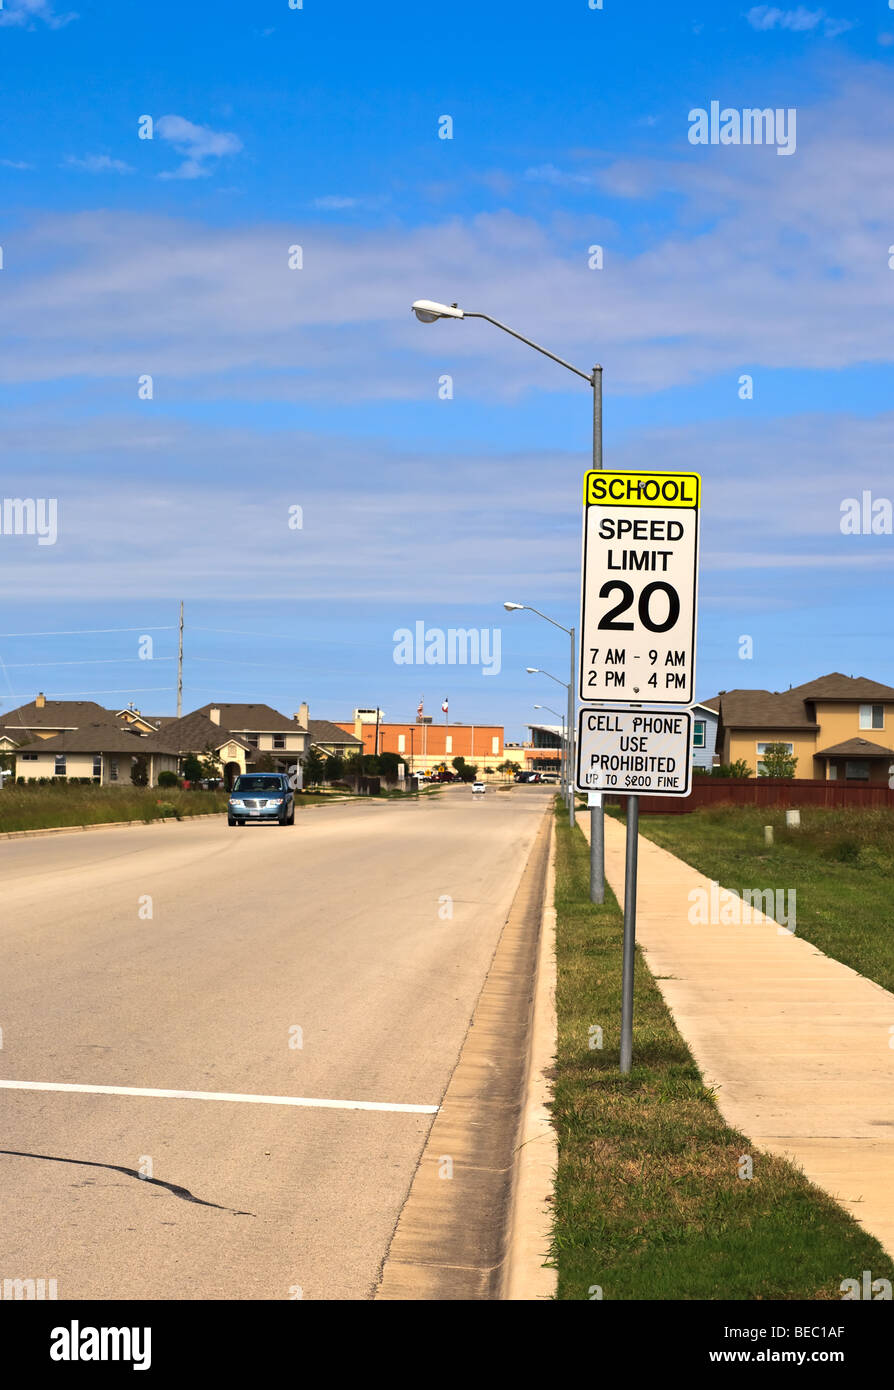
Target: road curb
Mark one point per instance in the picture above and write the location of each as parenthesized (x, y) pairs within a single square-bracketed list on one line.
[(450, 1240), (525, 1276), (104, 825)]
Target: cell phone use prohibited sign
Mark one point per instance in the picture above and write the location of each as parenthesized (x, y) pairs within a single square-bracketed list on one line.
[(638, 587), (641, 752)]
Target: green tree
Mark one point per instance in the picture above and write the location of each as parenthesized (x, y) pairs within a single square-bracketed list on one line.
[(335, 768), (388, 765), (737, 769), (314, 768), (210, 764), (778, 761), (510, 767), (191, 768)]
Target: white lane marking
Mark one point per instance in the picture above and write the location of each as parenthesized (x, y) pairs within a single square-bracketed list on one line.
[(220, 1095)]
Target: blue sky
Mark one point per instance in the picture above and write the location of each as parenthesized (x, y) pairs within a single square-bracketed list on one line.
[(275, 388)]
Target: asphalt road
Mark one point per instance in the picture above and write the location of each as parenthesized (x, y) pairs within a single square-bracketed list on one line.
[(338, 927)]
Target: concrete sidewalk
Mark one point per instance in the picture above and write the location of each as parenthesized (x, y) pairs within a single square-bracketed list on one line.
[(797, 1045)]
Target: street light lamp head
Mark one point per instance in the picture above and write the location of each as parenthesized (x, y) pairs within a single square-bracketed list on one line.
[(429, 310), (533, 670), (512, 607)]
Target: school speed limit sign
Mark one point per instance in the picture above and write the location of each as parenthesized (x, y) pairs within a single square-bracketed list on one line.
[(638, 590)]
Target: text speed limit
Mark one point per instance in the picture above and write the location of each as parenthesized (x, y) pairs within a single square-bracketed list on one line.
[(638, 593)]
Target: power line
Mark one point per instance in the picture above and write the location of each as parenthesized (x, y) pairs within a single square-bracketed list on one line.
[(88, 631), (101, 661), (68, 694)]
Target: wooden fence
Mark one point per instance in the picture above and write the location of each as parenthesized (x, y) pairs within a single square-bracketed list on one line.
[(782, 792)]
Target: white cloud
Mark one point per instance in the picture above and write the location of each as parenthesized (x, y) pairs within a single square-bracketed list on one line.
[(24, 13), (335, 203), (99, 164), (198, 144), (760, 268), (799, 21), (15, 164)]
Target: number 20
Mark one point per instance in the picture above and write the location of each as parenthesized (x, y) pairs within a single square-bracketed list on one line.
[(606, 622)]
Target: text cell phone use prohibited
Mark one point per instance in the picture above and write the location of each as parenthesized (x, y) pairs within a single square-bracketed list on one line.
[(638, 590), (642, 752)]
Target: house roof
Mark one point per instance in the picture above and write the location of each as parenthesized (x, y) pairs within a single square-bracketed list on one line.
[(262, 719), (712, 704), (194, 733), (55, 714), (856, 748), (838, 687), (98, 736), (324, 731), (764, 709)]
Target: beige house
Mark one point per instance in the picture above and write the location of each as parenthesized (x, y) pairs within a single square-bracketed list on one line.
[(103, 751), (840, 728), (78, 738), (242, 736)]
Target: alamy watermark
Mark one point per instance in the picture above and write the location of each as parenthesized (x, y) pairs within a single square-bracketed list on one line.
[(749, 126), (30, 516), (453, 646), (719, 907)]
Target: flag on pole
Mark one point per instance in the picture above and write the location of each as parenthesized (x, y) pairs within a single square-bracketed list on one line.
[(420, 708), (444, 706)]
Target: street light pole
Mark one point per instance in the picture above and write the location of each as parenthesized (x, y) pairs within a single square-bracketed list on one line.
[(597, 812), (429, 311), (564, 745), (569, 687)]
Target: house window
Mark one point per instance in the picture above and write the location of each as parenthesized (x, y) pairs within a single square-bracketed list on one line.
[(833, 772), (97, 764), (401, 743), (698, 733), (28, 757), (495, 745), (60, 765), (448, 748), (113, 769), (279, 740), (252, 739), (857, 771), (872, 716)]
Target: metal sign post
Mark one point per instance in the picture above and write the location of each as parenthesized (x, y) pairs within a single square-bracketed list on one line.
[(629, 949)]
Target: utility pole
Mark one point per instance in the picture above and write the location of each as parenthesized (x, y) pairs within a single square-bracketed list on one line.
[(180, 666), (597, 812)]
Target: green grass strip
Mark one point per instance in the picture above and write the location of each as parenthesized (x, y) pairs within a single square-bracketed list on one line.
[(649, 1203)]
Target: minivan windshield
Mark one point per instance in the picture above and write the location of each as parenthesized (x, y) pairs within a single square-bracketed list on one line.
[(257, 783)]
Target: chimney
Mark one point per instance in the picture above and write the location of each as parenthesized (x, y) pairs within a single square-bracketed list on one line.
[(40, 701), (303, 714), (214, 714)]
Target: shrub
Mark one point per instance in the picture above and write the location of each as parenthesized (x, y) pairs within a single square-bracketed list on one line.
[(168, 779)]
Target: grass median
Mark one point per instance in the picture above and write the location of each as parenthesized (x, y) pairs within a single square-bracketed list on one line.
[(649, 1203), (840, 864)]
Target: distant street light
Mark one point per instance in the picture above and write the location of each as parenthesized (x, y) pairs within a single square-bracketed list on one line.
[(564, 742)]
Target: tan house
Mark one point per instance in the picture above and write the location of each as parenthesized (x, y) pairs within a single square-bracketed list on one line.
[(840, 728), (242, 736), (78, 738), (101, 750)]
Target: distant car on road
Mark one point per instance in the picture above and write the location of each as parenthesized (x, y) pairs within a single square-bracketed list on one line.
[(261, 796), (478, 787)]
